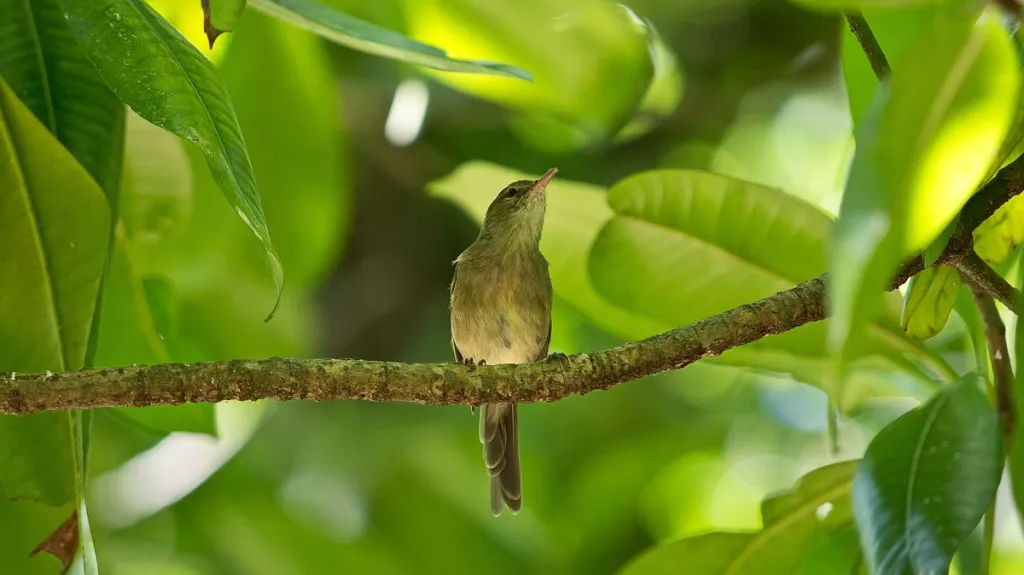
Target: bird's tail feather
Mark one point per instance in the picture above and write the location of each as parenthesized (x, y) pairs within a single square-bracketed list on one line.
[(499, 433)]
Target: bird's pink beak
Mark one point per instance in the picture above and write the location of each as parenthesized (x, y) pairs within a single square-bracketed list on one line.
[(542, 183)]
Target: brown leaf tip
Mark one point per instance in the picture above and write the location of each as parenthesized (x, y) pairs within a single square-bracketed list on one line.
[(62, 543), (212, 32)]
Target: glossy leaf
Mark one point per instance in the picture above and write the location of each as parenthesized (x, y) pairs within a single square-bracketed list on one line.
[(686, 245), (820, 501), (929, 300), (372, 39), (921, 153), (926, 480), (164, 79), (47, 71), (575, 213), (221, 16)]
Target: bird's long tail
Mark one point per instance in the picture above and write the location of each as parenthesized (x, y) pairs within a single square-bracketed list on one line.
[(499, 433)]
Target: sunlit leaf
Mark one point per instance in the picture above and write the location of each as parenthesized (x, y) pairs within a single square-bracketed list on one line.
[(372, 39), (926, 481), (1002, 232), (929, 299), (921, 153), (164, 79), (819, 501)]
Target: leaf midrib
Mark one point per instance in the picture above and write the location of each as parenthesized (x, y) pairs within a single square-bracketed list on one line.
[(19, 171), (47, 89)]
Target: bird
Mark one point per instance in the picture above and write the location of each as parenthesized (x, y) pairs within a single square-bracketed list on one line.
[(500, 312)]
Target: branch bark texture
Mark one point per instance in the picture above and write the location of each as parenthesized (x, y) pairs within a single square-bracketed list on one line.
[(440, 383)]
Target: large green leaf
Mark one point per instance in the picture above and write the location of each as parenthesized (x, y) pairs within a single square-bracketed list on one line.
[(921, 152), (575, 213), (820, 501), (372, 39), (54, 222), (926, 481), (165, 80), (686, 245)]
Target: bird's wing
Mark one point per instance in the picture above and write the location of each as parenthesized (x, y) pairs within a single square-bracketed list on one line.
[(451, 290)]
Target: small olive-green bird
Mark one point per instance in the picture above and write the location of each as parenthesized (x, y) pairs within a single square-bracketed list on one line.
[(501, 313)]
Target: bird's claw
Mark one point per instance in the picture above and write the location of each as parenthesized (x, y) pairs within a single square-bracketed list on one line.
[(557, 356)]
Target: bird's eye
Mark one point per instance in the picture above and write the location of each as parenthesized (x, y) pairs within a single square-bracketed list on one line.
[(512, 192)]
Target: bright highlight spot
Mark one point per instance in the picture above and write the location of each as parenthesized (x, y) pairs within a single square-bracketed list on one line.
[(408, 110)]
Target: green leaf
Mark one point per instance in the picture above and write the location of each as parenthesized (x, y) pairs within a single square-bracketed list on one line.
[(997, 237), (372, 39), (820, 501), (929, 300), (591, 71), (926, 481), (921, 153), (221, 16), (575, 213), (46, 69), (53, 226), (165, 80), (686, 245)]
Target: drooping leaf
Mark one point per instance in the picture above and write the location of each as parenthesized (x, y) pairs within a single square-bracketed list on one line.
[(820, 501), (921, 153), (575, 213), (686, 245), (372, 39), (1016, 454), (165, 80), (220, 16), (997, 237), (929, 300), (926, 480)]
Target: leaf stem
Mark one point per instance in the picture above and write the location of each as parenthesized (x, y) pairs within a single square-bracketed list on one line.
[(862, 32)]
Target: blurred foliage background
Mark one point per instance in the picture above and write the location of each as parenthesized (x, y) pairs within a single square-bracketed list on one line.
[(359, 159)]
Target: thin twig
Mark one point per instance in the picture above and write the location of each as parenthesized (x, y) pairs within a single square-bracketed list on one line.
[(1002, 371), (862, 32)]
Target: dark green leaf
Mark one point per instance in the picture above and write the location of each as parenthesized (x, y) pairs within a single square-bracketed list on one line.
[(921, 152), (46, 69), (165, 80), (926, 481), (928, 301), (820, 501), (372, 39)]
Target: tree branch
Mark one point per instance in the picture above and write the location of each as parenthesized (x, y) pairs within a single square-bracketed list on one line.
[(862, 32), (440, 383), (999, 356), (981, 277)]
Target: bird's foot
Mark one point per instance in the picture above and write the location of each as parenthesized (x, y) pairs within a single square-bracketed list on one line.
[(557, 356)]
